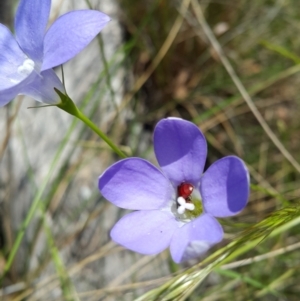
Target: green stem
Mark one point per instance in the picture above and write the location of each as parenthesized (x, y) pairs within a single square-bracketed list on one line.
[(69, 106), (90, 124)]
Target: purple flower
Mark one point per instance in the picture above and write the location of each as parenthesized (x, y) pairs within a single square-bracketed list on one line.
[(178, 205), (26, 61)]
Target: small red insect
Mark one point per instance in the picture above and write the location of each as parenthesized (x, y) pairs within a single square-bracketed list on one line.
[(185, 190)]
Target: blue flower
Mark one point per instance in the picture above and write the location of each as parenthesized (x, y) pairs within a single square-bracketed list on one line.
[(26, 61), (176, 206)]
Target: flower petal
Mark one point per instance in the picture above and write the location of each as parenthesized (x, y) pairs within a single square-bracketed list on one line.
[(30, 26), (16, 70), (7, 95), (69, 34), (145, 232), (42, 87), (195, 238), (11, 58), (135, 184), (225, 187), (180, 149)]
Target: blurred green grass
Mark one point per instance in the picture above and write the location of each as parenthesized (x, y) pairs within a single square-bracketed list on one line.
[(261, 40)]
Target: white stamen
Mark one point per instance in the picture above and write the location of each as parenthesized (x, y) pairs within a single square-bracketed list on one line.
[(27, 67), (181, 209), (184, 205), (189, 206), (181, 201)]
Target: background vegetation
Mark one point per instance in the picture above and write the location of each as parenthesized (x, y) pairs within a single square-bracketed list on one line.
[(241, 89)]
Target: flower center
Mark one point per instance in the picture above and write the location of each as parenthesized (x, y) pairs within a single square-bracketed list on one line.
[(27, 67), (188, 204), (184, 204), (184, 191)]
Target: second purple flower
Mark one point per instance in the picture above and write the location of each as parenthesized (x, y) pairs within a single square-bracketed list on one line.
[(176, 206), (27, 60)]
